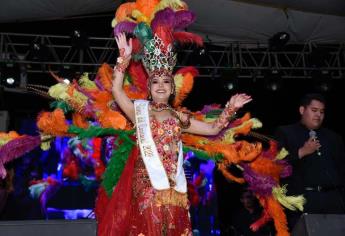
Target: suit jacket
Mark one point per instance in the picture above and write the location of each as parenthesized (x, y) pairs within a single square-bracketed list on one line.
[(327, 169)]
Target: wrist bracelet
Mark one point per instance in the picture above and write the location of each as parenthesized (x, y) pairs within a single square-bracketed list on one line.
[(122, 63)]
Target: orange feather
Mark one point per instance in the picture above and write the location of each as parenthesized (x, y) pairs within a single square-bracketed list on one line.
[(79, 121), (105, 73), (124, 11), (53, 123)]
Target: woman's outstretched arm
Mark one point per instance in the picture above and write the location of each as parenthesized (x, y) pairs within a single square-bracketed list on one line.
[(121, 98), (202, 128)]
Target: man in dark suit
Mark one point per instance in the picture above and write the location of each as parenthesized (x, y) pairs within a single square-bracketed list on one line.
[(318, 159)]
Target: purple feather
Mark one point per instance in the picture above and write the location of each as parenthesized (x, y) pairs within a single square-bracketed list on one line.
[(98, 83), (269, 154), (287, 168), (16, 148), (48, 193), (164, 17), (259, 184), (124, 26), (183, 19), (208, 108), (89, 111)]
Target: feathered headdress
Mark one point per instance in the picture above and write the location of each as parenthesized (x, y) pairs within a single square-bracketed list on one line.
[(157, 27)]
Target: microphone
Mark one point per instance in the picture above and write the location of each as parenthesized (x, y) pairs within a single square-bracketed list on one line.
[(313, 136)]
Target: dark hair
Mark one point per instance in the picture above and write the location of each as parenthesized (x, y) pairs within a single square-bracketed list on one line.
[(172, 97), (308, 98)]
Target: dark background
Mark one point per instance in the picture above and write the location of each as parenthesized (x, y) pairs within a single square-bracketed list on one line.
[(273, 108)]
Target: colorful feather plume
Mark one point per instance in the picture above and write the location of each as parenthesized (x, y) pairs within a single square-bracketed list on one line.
[(16, 148), (95, 114), (124, 26)]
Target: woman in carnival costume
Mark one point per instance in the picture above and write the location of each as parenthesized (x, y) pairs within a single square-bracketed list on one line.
[(143, 189), (159, 189)]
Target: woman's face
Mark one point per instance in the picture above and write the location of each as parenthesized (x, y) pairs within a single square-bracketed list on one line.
[(161, 88)]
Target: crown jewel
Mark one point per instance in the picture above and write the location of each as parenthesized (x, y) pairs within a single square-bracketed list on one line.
[(158, 59)]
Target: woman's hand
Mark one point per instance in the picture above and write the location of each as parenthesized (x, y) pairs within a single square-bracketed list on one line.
[(125, 47), (237, 101)]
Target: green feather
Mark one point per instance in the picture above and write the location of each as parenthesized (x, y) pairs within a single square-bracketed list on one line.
[(95, 131), (116, 165), (62, 105), (214, 113), (124, 144), (143, 32)]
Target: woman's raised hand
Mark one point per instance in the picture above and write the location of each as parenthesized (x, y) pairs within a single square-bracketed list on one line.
[(125, 47), (237, 101)]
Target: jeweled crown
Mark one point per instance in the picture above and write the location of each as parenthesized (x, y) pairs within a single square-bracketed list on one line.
[(158, 59)]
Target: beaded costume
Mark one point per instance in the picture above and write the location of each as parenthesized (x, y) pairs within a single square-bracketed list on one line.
[(127, 203)]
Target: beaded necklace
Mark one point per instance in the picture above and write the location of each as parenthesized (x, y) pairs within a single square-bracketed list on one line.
[(158, 107)]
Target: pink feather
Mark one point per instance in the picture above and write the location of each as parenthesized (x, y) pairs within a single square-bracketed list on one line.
[(183, 18), (164, 18), (16, 148)]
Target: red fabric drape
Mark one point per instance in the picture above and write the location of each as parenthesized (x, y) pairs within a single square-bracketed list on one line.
[(116, 211)]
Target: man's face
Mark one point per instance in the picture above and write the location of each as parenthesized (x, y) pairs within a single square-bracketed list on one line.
[(313, 114)]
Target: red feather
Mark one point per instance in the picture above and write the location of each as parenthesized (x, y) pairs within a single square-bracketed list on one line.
[(165, 34), (138, 75), (137, 47), (188, 69), (186, 37)]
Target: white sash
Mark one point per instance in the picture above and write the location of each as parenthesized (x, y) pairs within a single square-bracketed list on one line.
[(158, 177)]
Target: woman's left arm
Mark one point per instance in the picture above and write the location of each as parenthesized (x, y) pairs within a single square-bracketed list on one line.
[(203, 128)]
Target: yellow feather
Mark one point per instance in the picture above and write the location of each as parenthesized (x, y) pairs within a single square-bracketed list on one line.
[(45, 145), (174, 4), (292, 203), (79, 98), (85, 82), (59, 91), (140, 17), (282, 154), (178, 79), (256, 123)]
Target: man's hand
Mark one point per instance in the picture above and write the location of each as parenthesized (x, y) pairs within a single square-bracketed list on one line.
[(309, 147)]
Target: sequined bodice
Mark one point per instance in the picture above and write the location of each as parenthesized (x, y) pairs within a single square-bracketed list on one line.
[(166, 135), (162, 212)]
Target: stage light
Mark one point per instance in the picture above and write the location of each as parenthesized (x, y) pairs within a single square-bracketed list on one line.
[(230, 80), (67, 74), (66, 81), (273, 80), (10, 75), (230, 86), (322, 80), (79, 39), (38, 52), (10, 81), (278, 41)]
